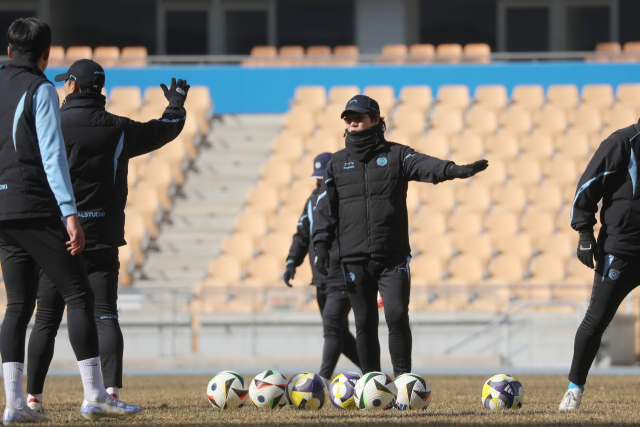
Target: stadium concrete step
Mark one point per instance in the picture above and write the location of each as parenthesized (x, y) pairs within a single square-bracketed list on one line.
[(205, 208)]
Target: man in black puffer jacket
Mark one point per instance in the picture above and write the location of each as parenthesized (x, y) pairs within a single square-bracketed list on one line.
[(99, 146), (363, 206), (332, 295)]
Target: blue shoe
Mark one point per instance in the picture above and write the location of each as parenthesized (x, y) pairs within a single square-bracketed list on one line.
[(25, 415), (109, 408)]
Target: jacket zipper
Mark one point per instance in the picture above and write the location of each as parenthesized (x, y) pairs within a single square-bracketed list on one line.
[(366, 199)]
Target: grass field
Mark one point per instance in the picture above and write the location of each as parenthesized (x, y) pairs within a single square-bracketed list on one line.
[(181, 400)]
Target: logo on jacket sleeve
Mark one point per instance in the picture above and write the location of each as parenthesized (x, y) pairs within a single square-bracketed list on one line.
[(382, 161), (4, 186), (351, 277), (614, 274), (349, 165)]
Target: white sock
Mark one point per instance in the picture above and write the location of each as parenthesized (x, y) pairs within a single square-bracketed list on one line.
[(37, 397), (91, 374), (12, 372), (114, 391)]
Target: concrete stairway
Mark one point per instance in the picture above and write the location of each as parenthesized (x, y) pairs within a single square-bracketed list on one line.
[(213, 194)]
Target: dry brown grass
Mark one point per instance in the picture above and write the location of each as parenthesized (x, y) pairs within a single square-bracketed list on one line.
[(180, 400)]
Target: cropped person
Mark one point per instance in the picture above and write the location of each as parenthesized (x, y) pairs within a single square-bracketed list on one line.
[(331, 290), (611, 177), (362, 207), (35, 192), (99, 146)]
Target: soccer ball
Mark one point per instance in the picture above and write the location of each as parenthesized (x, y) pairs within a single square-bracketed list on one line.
[(227, 390), (267, 390), (413, 392), (306, 391), (341, 390), (375, 390), (502, 392)]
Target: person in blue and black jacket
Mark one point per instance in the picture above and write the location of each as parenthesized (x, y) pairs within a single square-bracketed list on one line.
[(332, 295)]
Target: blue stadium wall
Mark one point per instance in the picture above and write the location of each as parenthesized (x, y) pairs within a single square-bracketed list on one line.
[(238, 89)]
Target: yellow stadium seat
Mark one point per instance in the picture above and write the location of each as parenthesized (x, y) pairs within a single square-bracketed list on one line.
[(439, 198), (223, 271), (491, 97), (263, 198), (515, 121), (416, 97), (578, 273), (276, 244), (482, 121), (297, 195), (286, 223), (572, 146), (477, 52), (346, 55), (106, 56), (253, 224), (286, 143), (133, 56), (561, 171), (56, 56), (546, 269), (290, 55), (318, 55), (525, 172), (238, 246), (340, 95), (411, 123), (449, 52), (619, 117), (473, 199), (265, 270), (384, 95), (426, 270), (565, 96), (517, 245), (536, 147), (127, 99), (394, 54), (421, 53), (312, 98), (538, 223), (586, 119), (502, 223), (465, 223), (299, 123), (559, 245), (454, 96), (429, 223), (551, 120), (506, 268), (329, 120), (599, 96), (433, 144), (479, 246), (466, 269), (75, 53), (277, 173), (154, 96), (467, 145), (446, 120), (546, 198), (436, 246), (502, 146), (530, 97), (628, 94), (495, 175), (302, 170)]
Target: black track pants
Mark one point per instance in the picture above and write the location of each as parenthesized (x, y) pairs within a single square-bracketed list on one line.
[(334, 308), (391, 277), (614, 279), (102, 267), (26, 246)]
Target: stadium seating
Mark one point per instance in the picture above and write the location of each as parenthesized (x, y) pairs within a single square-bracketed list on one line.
[(477, 243), (107, 56)]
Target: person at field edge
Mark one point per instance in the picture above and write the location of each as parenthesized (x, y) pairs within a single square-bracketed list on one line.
[(610, 176), (99, 146), (331, 290), (35, 192), (362, 206)]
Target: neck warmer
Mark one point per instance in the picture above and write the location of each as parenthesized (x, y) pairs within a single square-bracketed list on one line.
[(361, 144)]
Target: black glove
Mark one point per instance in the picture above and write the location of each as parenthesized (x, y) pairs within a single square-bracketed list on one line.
[(322, 258), (177, 94), (289, 273), (587, 248), (466, 171)]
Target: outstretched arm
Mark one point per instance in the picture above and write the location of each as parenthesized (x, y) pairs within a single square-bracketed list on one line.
[(424, 168)]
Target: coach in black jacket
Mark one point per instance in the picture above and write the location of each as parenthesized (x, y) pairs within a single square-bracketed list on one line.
[(362, 203), (332, 295), (99, 146), (611, 176)]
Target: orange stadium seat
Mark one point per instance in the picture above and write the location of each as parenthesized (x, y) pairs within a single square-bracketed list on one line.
[(606, 47), (447, 121), (586, 119), (517, 245), (107, 56), (276, 172), (477, 52), (429, 223), (239, 246), (502, 222), (290, 55), (385, 95), (502, 146), (253, 224), (473, 199), (507, 268), (394, 54), (275, 243), (466, 269), (465, 223), (56, 56), (299, 122), (287, 223), (437, 198), (312, 98), (426, 270), (628, 94), (133, 56), (433, 144), (482, 121), (466, 145), (437, 246), (223, 271), (318, 55), (479, 246), (572, 146), (564, 96), (454, 96), (515, 121), (421, 53), (559, 245), (619, 117), (346, 55), (449, 52), (560, 172), (551, 120), (75, 53), (525, 172), (411, 123), (265, 270), (416, 97), (599, 96), (263, 198), (546, 198), (492, 97), (510, 198), (340, 95), (538, 223), (578, 273), (536, 147), (125, 100), (530, 97), (546, 269), (494, 176)]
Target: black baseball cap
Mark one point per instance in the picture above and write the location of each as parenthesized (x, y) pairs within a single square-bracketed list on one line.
[(361, 104), (86, 72), (320, 165)]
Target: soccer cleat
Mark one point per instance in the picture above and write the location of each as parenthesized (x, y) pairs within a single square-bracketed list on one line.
[(25, 415), (36, 405), (109, 408), (571, 400)]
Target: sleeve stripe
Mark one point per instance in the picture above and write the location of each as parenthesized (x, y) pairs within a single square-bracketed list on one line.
[(584, 187), (320, 197), (633, 172)]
